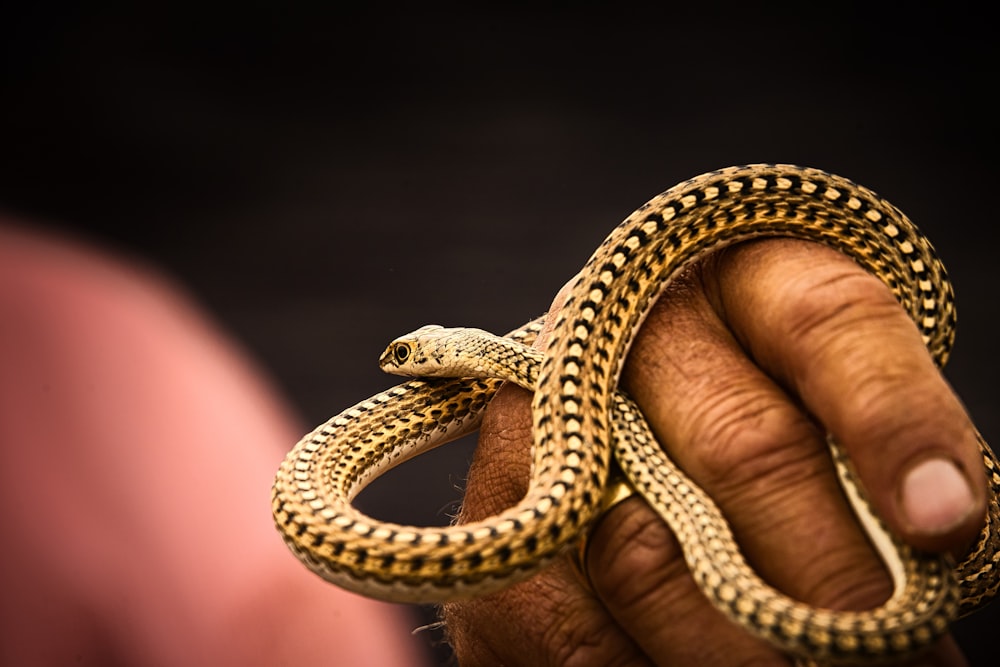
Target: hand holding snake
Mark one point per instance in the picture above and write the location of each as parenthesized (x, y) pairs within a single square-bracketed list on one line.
[(802, 368), (770, 475)]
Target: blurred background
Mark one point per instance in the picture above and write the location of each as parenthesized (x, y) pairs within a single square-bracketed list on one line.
[(323, 179)]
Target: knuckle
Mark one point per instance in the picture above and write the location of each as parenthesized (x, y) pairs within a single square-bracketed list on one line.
[(875, 406), (747, 434), (645, 573), (638, 559), (835, 319), (539, 621), (576, 641), (833, 299), (572, 630), (568, 637)]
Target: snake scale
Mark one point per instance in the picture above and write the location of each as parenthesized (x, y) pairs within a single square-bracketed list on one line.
[(581, 422)]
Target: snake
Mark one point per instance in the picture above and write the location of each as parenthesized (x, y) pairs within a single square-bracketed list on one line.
[(583, 425)]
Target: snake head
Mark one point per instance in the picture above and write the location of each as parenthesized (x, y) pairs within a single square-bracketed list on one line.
[(434, 351), (407, 355)]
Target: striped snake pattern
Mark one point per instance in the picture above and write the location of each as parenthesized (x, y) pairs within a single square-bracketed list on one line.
[(581, 422)]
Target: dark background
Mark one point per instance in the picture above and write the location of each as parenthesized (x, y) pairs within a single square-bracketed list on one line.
[(324, 179)]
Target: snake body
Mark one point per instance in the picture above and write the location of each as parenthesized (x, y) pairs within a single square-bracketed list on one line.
[(580, 421)]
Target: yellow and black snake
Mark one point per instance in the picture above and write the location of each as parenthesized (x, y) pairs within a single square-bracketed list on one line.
[(581, 421)]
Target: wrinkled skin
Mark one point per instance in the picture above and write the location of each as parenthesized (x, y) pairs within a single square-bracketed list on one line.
[(735, 368)]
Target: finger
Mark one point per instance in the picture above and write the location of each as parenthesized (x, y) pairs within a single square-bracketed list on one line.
[(638, 571), (636, 565), (751, 449), (551, 619), (835, 337), (765, 463)]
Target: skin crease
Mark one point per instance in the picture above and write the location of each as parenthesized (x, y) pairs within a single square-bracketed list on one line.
[(748, 352)]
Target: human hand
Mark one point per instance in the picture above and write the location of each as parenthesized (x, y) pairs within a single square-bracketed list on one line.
[(734, 369), (124, 414)]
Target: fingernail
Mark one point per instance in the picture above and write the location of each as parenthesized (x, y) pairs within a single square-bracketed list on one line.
[(936, 497)]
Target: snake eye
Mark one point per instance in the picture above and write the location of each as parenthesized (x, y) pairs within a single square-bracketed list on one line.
[(401, 353)]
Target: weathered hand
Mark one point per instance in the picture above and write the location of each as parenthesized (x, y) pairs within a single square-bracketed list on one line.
[(735, 369)]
